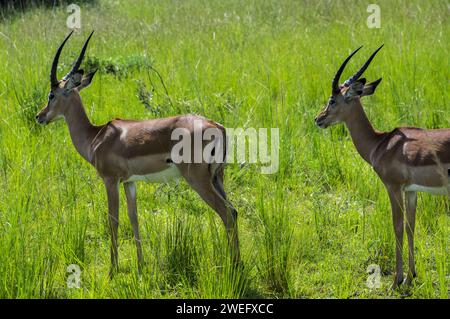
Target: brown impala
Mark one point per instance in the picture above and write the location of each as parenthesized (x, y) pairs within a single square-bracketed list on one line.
[(124, 151), (407, 159)]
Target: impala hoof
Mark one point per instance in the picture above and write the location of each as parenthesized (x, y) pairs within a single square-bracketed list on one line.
[(239, 265), (398, 280), (113, 271), (409, 279)]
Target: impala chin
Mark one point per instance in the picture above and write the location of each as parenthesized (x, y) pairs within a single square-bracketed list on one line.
[(41, 121), (320, 123), (323, 121), (46, 119), (324, 124)]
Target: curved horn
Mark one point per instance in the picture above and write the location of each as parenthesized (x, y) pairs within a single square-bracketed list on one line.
[(80, 58), (335, 85), (53, 77), (356, 76)]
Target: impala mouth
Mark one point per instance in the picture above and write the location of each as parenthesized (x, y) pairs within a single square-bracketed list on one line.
[(41, 121), (321, 123)]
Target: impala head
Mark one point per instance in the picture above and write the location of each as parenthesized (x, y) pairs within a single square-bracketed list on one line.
[(63, 92), (344, 97)]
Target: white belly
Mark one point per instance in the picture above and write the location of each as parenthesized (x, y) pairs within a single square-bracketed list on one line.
[(160, 177), (432, 190)]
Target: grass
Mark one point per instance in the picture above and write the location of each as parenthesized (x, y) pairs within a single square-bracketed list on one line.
[(309, 231)]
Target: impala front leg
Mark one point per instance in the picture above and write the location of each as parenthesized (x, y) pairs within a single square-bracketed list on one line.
[(112, 190), (130, 192), (411, 205), (396, 198)]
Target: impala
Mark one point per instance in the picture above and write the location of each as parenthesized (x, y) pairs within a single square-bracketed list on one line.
[(407, 159), (124, 151)]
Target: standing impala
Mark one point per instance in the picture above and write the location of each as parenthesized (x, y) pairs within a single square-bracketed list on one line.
[(407, 159), (124, 151)]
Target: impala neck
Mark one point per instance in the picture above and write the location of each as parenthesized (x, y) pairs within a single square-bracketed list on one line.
[(82, 132), (364, 137)]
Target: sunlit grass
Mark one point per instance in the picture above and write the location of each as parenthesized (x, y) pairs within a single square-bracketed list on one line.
[(309, 231)]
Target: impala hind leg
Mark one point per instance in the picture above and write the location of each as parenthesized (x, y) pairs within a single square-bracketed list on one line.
[(130, 192), (112, 191), (411, 205), (200, 179), (396, 199), (217, 182)]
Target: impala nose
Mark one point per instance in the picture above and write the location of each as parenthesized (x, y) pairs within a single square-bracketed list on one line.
[(319, 120), (39, 119)]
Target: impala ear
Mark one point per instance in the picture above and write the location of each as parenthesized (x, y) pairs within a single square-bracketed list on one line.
[(356, 89), (74, 80), (370, 88), (86, 80)]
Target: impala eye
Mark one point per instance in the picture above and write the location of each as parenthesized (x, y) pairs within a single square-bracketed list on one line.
[(51, 96)]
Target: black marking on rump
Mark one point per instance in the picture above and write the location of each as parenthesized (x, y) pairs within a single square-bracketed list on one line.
[(218, 185), (448, 171)]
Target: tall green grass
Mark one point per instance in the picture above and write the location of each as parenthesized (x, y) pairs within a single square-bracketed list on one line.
[(311, 230)]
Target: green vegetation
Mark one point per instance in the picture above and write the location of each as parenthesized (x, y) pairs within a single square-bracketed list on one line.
[(311, 230)]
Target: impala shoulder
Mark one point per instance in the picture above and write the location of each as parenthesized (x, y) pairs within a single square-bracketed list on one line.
[(107, 133), (389, 144), (391, 141)]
